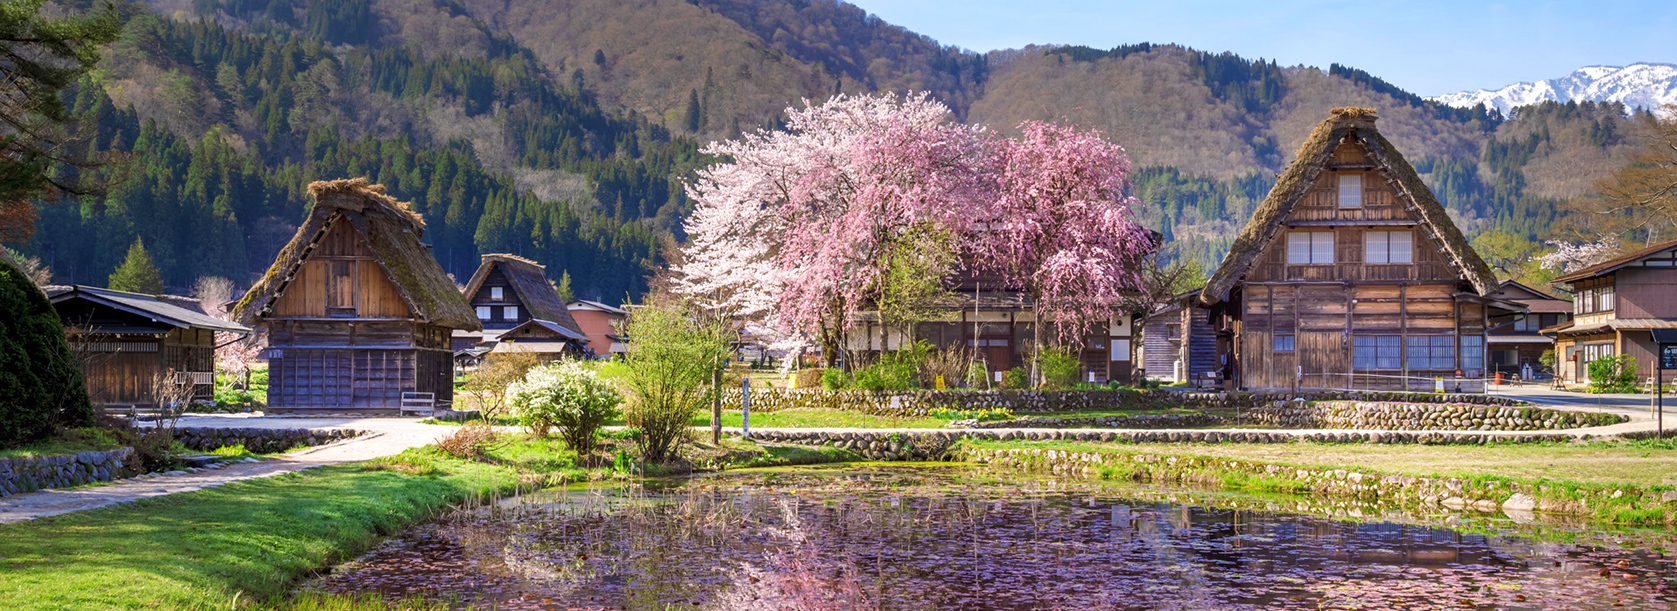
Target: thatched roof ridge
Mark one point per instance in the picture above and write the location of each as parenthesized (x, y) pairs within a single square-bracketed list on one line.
[(392, 230), (1345, 124), (529, 280)]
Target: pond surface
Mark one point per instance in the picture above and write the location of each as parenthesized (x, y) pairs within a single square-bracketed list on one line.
[(947, 538)]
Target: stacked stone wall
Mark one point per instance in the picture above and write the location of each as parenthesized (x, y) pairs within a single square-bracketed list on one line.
[(260, 441), (1420, 416), (31, 473), (922, 402)]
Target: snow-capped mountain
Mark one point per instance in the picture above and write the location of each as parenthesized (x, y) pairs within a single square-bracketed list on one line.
[(1643, 85)]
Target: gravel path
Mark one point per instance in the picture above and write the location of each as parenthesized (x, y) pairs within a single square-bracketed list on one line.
[(386, 436)]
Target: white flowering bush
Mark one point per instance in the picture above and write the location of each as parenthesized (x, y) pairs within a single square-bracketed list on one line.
[(569, 397)]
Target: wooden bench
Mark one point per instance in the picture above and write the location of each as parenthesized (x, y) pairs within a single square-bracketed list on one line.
[(421, 403)]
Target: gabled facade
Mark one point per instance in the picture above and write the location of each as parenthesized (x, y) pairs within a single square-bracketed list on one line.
[(1514, 339), (1350, 274), (358, 312), (126, 340), (507, 291), (548, 340), (1616, 304)]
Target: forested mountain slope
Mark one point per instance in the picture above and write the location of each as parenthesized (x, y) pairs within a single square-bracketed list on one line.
[(562, 129)]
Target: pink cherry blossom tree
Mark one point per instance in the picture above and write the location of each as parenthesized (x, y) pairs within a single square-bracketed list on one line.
[(794, 225), (1061, 226)]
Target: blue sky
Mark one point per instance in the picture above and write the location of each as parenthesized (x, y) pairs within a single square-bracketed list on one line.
[(1427, 47)]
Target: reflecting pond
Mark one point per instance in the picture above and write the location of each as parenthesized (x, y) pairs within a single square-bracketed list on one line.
[(953, 538)]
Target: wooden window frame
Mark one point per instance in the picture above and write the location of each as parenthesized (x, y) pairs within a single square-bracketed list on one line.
[(1384, 238), (1376, 341), (485, 313), (1278, 346), (1339, 190), (497, 293), (333, 294), (1312, 248)]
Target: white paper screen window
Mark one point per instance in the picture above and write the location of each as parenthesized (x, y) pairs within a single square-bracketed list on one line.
[(1350, 190)]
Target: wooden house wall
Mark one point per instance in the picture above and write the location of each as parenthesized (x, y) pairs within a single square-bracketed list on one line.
[(1325, 307), (375, 295), (127, 374), (330, 365), (1645, 292), (1160, 352)]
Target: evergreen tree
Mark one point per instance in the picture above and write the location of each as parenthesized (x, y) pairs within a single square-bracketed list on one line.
[(693, 111), (137, 274), (565, 293), (40, 58), (41, 384)]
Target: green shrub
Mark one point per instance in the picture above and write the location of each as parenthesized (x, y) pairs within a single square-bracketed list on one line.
[(1017, 378), (1060, 368), (832, 379), (41, 385), (568, 396), (668, 373), (811, 377), (1614, 374)]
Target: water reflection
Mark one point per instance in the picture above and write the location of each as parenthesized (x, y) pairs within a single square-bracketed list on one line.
[(910, 540)]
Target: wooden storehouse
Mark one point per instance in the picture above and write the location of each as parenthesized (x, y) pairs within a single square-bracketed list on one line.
[(1617, 305), (508, 291), (358, 311), (1350, 274), (127, 341), (1171, 355), (1514, 341)]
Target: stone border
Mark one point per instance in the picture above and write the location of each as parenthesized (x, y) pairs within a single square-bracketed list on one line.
[(1513, 498), (31, 473), (258, 440), (1420, 416), (1139, 421), (920, 403)]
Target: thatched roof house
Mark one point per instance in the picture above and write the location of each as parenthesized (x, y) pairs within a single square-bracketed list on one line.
[(1351, 274), (358, 311), (1346, 125), (391, 231), (507, 291)]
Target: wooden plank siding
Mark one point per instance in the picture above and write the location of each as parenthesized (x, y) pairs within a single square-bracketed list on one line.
[(375, 295)]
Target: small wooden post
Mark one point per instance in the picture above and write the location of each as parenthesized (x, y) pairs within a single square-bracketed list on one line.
[(745, 407), (716, 406)]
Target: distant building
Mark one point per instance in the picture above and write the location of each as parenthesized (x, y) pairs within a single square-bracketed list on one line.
[(126, 340), (1350, 274), (1171, 355), (1616, 304), (508, 292), (603, 324), (1514, 339), (358, 312)]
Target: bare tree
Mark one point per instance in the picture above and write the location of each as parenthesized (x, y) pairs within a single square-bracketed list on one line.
[(234, 353), (31, 267)]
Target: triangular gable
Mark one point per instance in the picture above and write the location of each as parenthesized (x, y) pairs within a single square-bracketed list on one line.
[(1346, 125), (390, 230)]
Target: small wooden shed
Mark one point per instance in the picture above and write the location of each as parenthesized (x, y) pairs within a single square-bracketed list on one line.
[(357, 309), (125, 340)]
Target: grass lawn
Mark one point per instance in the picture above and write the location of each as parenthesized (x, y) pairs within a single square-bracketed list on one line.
[(247, 541), (69, 441), (1643, 463)]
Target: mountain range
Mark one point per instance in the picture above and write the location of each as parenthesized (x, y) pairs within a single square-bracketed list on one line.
[(563, 130), (1647, 86)]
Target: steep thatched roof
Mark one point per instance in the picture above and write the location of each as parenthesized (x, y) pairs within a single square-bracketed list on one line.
[(529, 280), (391, 229), (1345, 125)]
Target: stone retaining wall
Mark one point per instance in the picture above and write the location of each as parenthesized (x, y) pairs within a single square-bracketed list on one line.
[(260, 441), (1141, 421), (1420, 417), (934, 444), (922, 402), (1513, 498), (28, 474)]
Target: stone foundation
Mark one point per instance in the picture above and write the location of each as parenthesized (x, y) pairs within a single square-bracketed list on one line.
[(28, 474), (921, 403), (1420, 417), (1141, 421)]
